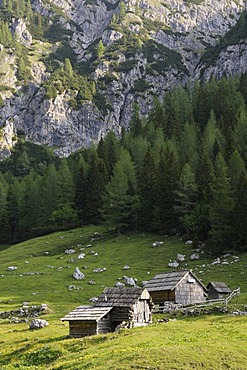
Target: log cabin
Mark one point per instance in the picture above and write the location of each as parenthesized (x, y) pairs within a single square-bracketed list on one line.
[(178, 286), (217, 290), (133, 306)]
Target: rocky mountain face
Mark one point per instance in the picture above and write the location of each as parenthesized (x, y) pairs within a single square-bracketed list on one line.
[(129, 51)]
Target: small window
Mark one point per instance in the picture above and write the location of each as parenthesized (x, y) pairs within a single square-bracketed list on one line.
[(191, 280)]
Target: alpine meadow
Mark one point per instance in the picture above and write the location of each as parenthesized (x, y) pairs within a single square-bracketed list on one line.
[(123, 157)]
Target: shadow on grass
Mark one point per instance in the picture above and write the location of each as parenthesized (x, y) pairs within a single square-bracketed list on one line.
[(21, 352)]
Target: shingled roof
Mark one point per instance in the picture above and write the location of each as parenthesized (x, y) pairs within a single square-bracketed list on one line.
[(169, 281), (121, 296), (88, 313), (219, 286)]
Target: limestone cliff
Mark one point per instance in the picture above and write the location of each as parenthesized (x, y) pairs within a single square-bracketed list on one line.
[(148, 47)]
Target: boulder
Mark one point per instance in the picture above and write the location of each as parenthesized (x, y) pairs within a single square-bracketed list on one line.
[(70, 251), (81, 255), (43, 307), (194, 256), (129, 281), (180, 257), (38, 324), (78, 275), (173, 264), (156, 244), (11, 268)]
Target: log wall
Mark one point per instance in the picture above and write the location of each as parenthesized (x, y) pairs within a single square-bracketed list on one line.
[(79, 329), (162, 296)]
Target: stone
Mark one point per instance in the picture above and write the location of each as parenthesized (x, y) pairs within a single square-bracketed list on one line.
[(78, 275), (180, 257), (72, 287), (156, 244), (126, 267), (189, 242), (11, 268), (99, 269), (81, 255), (130, 281), (93, 299), (118, 284), (217, 261), (173, 264), (194, 256), (38, 324), (43, 307), (70, 251)]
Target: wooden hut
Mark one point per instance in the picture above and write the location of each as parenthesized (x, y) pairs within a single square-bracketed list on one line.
[(217, 290), (88, 320), (132, 305), (113, 307), (178, 287)]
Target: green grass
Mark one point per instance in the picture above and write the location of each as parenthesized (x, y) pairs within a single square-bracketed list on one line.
[(186, 343)]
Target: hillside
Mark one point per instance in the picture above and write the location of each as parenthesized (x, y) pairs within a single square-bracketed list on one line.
[(44, 274), (71, 70)]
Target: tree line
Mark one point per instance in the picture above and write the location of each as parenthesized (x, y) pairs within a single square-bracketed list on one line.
[(181, 169)]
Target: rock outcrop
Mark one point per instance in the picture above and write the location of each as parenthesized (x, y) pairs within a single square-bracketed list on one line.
[(177, 35)]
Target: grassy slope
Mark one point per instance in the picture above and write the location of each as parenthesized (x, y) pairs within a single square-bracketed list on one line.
[(181, 344)]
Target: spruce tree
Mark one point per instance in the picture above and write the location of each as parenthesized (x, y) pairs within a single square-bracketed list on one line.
[(240, 215), (189, 146), (166, 187), (80, 191), (95, 185), (236, 168), (221, 207), (147, 193), (186, 195), (117, 202)]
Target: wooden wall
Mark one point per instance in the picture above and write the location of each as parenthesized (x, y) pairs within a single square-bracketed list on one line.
[(162, 296), (104, 325), (189, 291), (79, 329)]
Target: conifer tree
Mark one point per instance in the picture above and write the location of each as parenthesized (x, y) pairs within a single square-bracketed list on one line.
[(189, 146), (100, 49), (118, 202), (95, 185), (240, 215), (13, 209), (209, 136), (157, 115), (166, 187), (236, 168), (80, 191), (147, 183), (240, 133), (221, 207), (136, 122), (186, 194)]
